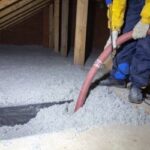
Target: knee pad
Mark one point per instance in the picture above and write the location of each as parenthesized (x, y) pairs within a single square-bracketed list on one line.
[(122, 71)]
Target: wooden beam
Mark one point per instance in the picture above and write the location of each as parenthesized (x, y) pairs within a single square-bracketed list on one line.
[(24, 16), (20, 20), (14, 7), (56, 25), (80, 33), (21, 15), (51, 26), (46, 26), (21, 10), (6, 3), (64, 27)]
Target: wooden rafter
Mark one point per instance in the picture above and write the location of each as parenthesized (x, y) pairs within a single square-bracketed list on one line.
[(64, 27), (24, 15), (27, 7), (56, 25), (6, 3), (51, 26), (14, 7)]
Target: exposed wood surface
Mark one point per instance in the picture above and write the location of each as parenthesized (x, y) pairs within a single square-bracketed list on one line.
[(64, 27), (15, 11), (56, 25), (80, 33), (6, 3), (21, 10), (20, 20), (14, 7), (51, 26), (24, 15)]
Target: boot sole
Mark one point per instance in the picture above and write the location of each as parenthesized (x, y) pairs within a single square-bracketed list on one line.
[(135, 101)]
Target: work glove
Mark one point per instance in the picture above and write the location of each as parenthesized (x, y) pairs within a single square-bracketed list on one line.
[(112, 39), (114, 35), (107, 65), (140, 30)]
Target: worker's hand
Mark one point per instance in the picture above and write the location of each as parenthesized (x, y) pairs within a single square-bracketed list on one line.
[(112, 39), (114, 36), (140, 30)]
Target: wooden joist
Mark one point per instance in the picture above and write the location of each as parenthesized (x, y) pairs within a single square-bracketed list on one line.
[(51, 26), (27, 7), (14, 7), (6, 3), (80, 33), (64, 27), (25, 15), (56, 25)]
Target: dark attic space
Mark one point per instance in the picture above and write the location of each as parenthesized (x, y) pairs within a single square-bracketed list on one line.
[(64, 85)]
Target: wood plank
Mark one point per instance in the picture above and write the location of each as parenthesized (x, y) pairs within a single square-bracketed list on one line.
[(21, 10), (24, 16), (46, 26), (56, 25), (6, 3), (24, 13), (80, 33), (51, 26), (20, 20), (14, 7), (64, 27)]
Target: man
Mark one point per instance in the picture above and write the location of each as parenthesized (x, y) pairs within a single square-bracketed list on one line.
[(132, 61)]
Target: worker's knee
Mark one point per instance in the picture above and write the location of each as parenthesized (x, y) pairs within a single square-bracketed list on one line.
[(122, 71)]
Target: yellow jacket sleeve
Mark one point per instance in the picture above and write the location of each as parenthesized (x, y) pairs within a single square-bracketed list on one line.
[(145, 14), (118, 11), (109, 15)]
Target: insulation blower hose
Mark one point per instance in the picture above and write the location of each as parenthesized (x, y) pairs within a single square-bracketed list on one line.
[(97, 64)]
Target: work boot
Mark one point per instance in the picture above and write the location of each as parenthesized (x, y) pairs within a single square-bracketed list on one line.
[(113, 82), (135, 95)]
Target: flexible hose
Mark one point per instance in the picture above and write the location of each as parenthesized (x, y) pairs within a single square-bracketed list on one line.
[(91, 74)]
